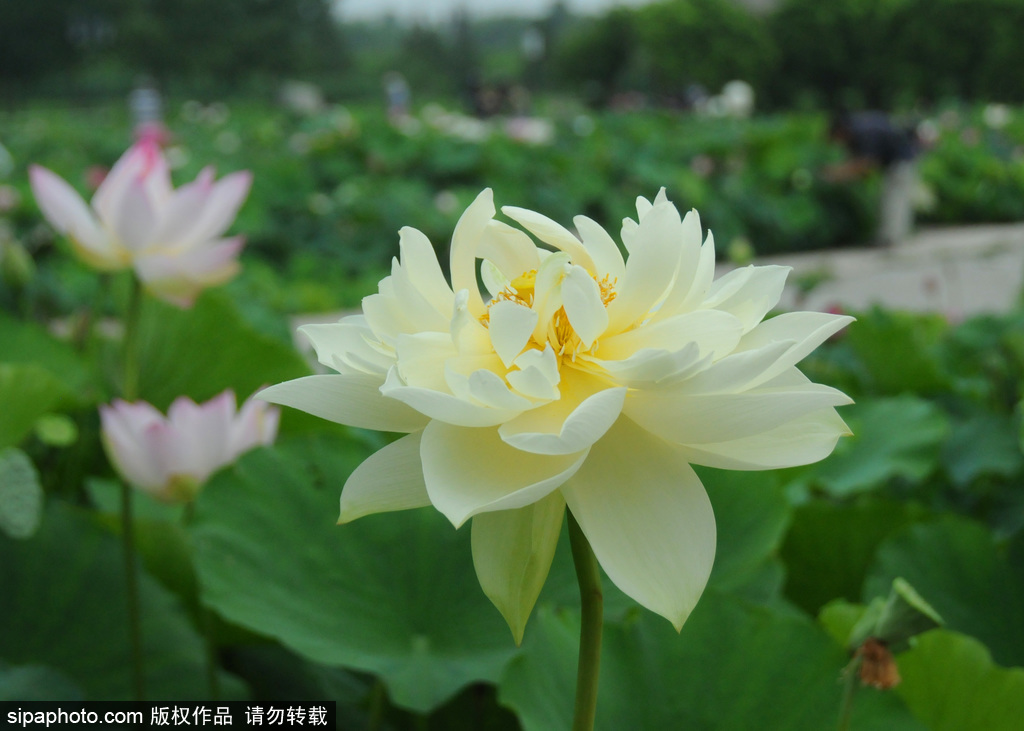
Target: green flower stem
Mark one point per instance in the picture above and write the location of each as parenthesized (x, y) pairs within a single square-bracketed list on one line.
[(592, 609), (132, 589), (850, 673), (130, 367), (206, 623), (129, 385)]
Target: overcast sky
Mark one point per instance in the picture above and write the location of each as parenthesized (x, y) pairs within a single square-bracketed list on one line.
[(441, 10)]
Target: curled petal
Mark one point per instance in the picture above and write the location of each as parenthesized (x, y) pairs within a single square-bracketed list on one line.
[(420, 262), (538, 375), (553, 233), (465, 249), (511, 325), (586, 410), (509, 249), (443, 406), (602, 248), (347, 347), (650, 268), (581, 298)]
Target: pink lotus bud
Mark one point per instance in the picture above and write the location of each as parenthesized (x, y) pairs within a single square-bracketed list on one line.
[(172, 457), (172, 238)]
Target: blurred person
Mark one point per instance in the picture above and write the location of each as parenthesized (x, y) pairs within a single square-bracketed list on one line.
[(147, 110), (399, 96), (875, 143)]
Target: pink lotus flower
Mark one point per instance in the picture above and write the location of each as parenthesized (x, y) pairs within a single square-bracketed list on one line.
[(171, 457), (172, 238)]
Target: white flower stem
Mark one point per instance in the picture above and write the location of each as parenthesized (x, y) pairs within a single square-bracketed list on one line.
[(592, 609), (129, 384)]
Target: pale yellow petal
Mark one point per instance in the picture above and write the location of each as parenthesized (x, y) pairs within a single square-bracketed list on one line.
[(512, 554), (390, 479), (353, 399), (586, 410), (471, 471), (648, 519)]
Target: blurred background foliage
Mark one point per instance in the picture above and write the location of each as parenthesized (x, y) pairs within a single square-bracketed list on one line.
[(876, 53), (385, 616)]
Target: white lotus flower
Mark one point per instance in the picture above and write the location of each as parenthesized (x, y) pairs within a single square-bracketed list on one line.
[(172, 238), (171, 457), (581, 380)]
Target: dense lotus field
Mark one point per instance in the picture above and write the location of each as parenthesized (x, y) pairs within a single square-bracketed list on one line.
[(333, 187), (912, 531)]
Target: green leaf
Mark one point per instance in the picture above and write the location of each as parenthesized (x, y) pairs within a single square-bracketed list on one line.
[(901, 351), (733, 666), (955, 564), (26, 392), (36, 683), (29, 344), (21, 495), (200, 352), (56, 430), (839, 617), (752, 516), (390, 594), (985, 444), (951, 683), (892, 437), (830, 547), (63, 606)]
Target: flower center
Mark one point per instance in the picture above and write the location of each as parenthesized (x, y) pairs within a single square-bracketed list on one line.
[(560, 333)]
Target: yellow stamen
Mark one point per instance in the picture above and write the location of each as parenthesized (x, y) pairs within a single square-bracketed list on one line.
[(560, 334)]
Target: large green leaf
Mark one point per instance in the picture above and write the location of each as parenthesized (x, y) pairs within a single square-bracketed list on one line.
[(204, 350), (26, 343), (734, 666), (63, 605), (26, 392), (901, 351), (36, 683), (21, 495), (752, 515), (951, 683), (955, 564), (985, 444), (892, 437), (830, 547), (392, 594)]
